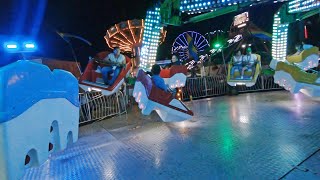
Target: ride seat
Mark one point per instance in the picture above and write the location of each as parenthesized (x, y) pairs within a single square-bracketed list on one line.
[(168, 73), (303, 55), (97, 75), (247, 72)]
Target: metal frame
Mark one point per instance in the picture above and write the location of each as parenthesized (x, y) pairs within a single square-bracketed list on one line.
[(209, 86), (96, 106)]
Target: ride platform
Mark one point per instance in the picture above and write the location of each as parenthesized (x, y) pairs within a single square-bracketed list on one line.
[(266, 135)]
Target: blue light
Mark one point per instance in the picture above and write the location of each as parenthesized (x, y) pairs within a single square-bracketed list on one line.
[(18, 47), (11, 46), (29, 46)]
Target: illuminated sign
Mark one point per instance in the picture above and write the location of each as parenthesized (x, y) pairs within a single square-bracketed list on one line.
[(235, 39), (203, 58), (303, 5), (241, 20), (199, 6), (151, 39)]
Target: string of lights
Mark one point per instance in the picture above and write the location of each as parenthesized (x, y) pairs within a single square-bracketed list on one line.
[(151, 39), (303, 5), (279, 39)]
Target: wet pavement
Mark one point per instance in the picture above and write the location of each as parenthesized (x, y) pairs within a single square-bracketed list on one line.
[(268, 135)]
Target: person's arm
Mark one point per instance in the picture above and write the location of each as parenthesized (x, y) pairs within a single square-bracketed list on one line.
[(106, 60), (232, 62), (163, 85), (124, 63)]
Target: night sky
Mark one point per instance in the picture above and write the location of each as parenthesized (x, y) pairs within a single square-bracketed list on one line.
[(87, 18), (91, 18)]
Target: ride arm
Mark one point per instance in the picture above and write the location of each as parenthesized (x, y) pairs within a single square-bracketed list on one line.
[(106, 61)]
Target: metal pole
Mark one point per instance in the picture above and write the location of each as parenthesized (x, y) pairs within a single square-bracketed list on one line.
[(262, 81), (75, 57), (205, 85), (224, 62)]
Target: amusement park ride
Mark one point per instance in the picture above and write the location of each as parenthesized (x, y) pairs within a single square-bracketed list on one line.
[(32, 95), (295, 73), (39, 112), (142, 38)]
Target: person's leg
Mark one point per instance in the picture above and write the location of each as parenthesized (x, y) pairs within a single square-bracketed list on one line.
[(115, 75), (238, 68), (242, 72), (105, 73), (232, 70), (253, 70), (249, 69)]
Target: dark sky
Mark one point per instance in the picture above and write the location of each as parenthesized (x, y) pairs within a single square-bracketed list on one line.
[(91, 18), (87, 18)]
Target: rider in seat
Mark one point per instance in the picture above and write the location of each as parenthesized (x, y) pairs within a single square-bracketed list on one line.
[(306, 44), (298, 48), (158, 81), (175, 60), (236, 62), (116, 62), (249, 62)]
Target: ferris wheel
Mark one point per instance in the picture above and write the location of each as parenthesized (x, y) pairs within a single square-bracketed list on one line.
[(189, 45)]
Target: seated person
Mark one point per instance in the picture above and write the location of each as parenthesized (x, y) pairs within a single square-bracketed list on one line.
[(117, 61), (298, 48), (156, 79), (236, 63), (175, 60), (306, 45), (249, 61)]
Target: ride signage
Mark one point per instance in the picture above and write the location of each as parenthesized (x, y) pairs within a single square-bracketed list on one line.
[(241, 20)]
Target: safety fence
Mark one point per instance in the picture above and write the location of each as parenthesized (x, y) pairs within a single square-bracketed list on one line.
[(96, 106), (202, 87)]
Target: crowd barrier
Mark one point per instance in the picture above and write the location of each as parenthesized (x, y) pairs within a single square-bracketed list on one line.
[(202, 87), (95, 106)]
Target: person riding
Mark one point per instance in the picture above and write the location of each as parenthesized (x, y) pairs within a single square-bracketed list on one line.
[(249, 60), (236, 62), (298, 48), (116, 62), (306, 44), (157, 80), (175, 60)]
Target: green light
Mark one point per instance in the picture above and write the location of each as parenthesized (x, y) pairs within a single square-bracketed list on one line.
[(217, 45)]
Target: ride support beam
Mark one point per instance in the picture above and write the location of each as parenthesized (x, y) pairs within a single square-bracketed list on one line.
[(218, 12)]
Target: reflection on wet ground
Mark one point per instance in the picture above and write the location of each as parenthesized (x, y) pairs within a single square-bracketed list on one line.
[(259, 135)]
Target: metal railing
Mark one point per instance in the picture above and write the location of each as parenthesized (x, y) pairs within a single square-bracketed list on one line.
[(96, 106), (209, 86), (204, 87)]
